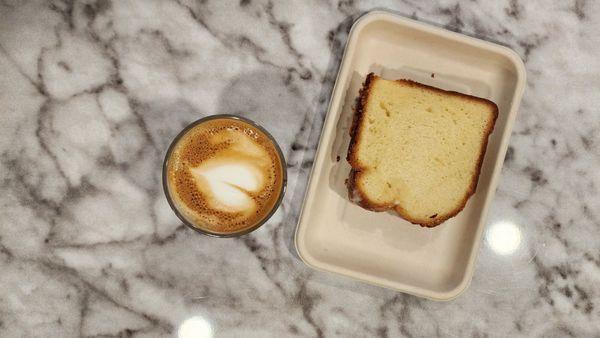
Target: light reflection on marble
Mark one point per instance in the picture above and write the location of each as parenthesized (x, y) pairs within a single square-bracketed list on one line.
[(503, 237), (195, 327), (92, 93)]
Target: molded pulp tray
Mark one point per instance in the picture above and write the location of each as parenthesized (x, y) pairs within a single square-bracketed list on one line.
[(380, 248)]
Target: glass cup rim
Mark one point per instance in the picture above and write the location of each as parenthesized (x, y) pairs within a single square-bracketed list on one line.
[(232, 117)]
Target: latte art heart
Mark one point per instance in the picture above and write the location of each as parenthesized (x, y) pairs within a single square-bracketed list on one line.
[(225, 175), (230, 184)]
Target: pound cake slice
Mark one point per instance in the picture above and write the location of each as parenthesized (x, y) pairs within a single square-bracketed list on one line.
[(417, 149)]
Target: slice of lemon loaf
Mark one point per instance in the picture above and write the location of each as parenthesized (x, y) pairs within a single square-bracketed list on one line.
[(417, 149)]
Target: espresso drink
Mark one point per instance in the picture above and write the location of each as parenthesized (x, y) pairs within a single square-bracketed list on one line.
[(224, 175)]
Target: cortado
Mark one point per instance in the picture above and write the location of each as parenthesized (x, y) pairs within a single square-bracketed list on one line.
[(224, 175)]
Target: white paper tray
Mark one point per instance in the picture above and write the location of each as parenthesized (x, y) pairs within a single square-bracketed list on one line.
[(380, 248)]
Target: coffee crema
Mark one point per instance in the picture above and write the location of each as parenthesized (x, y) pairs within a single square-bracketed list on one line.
[(225, 175)]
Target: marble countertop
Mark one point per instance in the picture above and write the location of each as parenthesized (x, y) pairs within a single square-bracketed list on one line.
[(91, 94)]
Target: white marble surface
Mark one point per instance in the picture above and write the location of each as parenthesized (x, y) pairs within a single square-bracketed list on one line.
[(91, 93)]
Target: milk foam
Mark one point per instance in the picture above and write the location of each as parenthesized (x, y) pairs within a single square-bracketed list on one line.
[(229, 184)]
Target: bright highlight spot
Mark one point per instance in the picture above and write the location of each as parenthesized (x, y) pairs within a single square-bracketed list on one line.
[(195, 327), (504, 237)]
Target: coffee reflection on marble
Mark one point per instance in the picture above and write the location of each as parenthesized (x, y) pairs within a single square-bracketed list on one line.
[(195, 327), (503, 237)]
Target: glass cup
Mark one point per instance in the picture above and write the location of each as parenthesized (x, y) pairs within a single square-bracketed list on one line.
[(198, 227)]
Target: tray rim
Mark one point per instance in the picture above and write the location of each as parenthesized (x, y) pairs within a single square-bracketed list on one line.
[(518, 90)]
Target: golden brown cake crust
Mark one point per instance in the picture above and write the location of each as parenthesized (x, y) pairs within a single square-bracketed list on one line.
[(358, 196)]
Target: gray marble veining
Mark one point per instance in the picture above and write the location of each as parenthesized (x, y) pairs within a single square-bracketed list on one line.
[(91, 94)]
